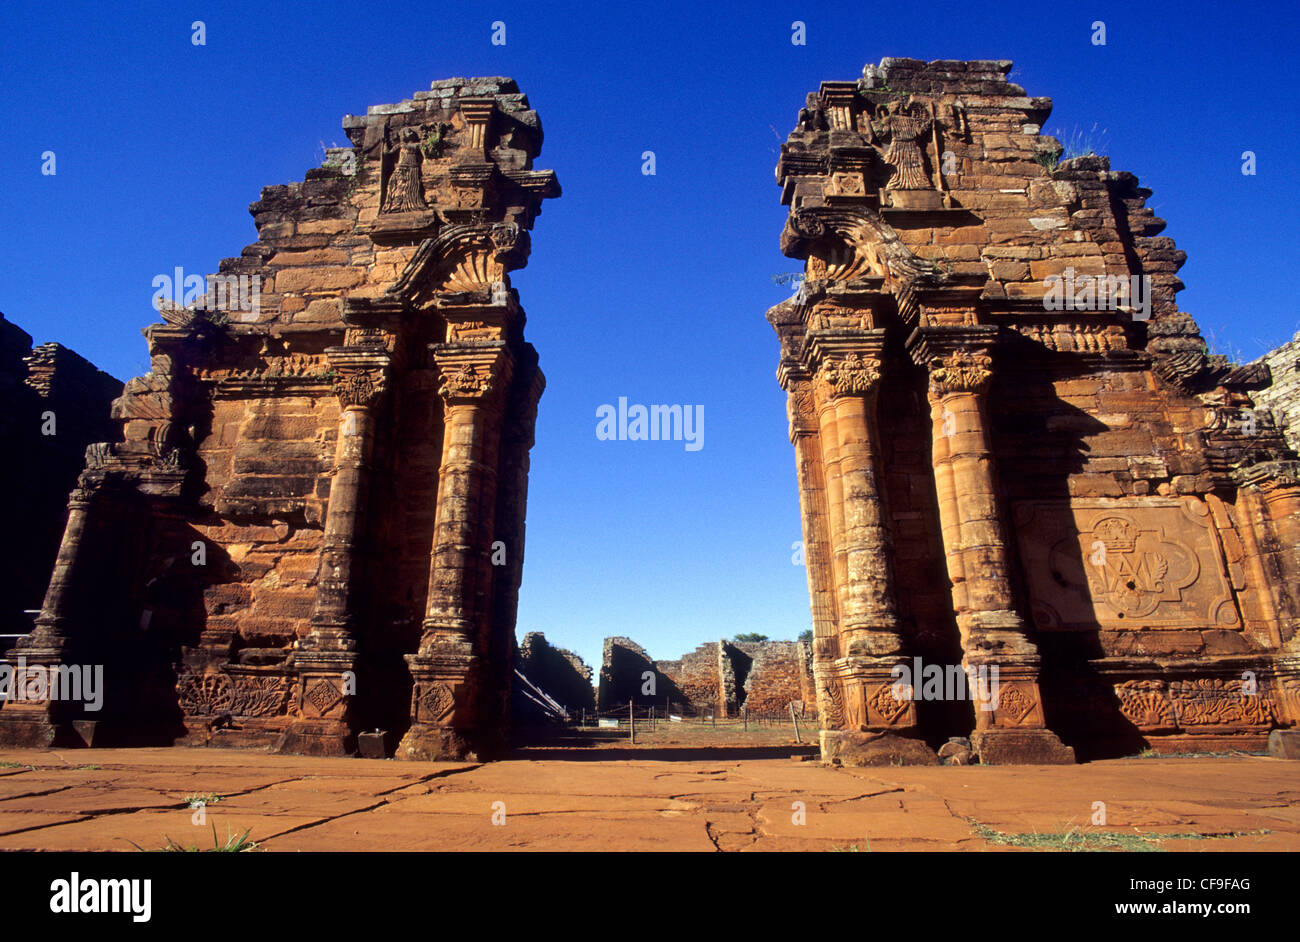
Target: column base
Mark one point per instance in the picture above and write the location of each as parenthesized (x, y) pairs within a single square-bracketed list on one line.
[(36, 726), (1021, 747), (30, 730), (424, 743), (861, 750), (318, 738)]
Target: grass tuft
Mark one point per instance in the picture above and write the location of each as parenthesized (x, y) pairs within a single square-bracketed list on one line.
[(234, 844)]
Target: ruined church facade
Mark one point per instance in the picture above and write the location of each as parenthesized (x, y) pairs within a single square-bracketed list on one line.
[(314, 523), (1013, 450)]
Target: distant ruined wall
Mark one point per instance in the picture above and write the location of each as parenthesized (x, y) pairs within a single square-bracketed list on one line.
[(696, 679), (557, 671), (780, 673), (718, 677), (53, 404), (623, 663)]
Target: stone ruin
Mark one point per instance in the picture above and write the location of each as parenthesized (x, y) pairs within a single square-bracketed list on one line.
[(1282, 398), (563, 675), (1013, 452), (53, 404), (997, 465), (314, 523), (719, 678)]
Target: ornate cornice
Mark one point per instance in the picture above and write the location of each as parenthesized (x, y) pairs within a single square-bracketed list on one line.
[(1269, 475), (466, 257), (874, 249)]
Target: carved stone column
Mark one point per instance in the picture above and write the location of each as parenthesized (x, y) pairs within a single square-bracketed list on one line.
[(326, 659), (848, 368), (1009, 722), (804, 435), (38, 723), (445, 670), (1269, 496)]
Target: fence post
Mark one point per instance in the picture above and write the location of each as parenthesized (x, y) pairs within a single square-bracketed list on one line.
[(631, 718), (744, 714)]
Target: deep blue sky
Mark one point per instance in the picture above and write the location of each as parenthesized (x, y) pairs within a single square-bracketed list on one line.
[(652, 288)]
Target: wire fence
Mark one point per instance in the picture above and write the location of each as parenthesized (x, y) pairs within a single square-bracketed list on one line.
[(651, 717)]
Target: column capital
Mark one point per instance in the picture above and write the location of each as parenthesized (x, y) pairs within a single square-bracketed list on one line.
[(958, 358), (960, 371), (363, 373), (472, 373), (851, 375), (800, 404), (844, 362), (360, 387)]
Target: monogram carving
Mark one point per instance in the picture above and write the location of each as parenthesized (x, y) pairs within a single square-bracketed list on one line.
[(323, 696), (1132, 580), (1154, 563)]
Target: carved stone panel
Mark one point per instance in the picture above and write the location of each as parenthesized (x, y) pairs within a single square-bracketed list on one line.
[(1017, 705), (434, 703), (322, 695), (1123, 564), (1157, 705)]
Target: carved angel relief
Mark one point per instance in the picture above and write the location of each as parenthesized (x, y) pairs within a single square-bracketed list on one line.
[(405, 190), (904, 127)]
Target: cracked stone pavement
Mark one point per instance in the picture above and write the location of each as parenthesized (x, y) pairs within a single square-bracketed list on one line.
[(108, 799)]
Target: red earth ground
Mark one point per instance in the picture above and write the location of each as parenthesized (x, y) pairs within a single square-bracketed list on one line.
[(676, 795)]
